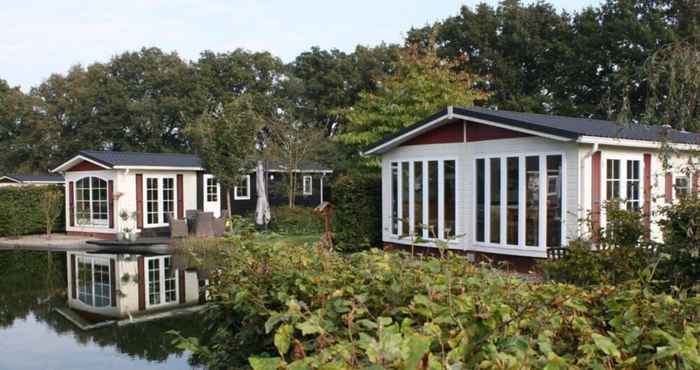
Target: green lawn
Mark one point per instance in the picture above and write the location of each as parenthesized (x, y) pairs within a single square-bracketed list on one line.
[(287, 239)]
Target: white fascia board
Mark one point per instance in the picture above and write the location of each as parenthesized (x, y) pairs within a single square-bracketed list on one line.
[(642, 144), (71, 162), (10, 178), (158, 168), (45, 182), (299, 171), (513, 128)]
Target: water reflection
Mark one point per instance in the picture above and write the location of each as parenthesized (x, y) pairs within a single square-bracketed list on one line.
[(33, 335)]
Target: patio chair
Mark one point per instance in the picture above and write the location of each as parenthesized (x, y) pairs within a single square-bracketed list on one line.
[(178, 228), (219, 226), (204, 225), (191, 217)]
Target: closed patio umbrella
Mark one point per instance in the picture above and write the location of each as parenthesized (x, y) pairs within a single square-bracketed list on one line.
[(262, 209)]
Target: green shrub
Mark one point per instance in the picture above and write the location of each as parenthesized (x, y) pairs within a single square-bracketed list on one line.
[(357, 223), (681, 229), (285, 307), (295, 221), (21, 210)]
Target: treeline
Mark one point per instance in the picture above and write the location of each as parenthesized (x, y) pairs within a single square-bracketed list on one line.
[(523, 57)]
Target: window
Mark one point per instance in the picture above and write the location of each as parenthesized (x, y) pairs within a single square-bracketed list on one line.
[(423, 198), (612, 183), (160, 200), (91, 204), (633, 185), (682, 185), (308, 188), (242, 190), (93, 281), (212, 189), (519, 201), (162, 282)]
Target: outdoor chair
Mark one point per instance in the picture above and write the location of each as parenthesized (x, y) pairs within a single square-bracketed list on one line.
[(204, 225), (178, 228), (191, 216), (219, 226)]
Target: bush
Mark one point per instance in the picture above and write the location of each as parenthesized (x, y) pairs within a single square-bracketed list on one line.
[(357, 223), (295, 221), (21, 210), (681, 229), (308, 308)]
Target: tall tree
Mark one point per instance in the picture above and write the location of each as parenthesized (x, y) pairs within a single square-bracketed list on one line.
[(422, 85)]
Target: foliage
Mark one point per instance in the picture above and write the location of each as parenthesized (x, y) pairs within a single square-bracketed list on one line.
[(421, 85), (357, 223), (303, 308), (681, 229), (295, 221), (52, 206), (22, 210)]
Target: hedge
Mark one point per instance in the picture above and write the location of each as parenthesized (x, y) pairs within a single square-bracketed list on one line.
[(358, 201), (295, 221), (21, 212)]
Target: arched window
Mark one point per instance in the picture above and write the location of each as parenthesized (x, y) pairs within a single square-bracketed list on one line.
[(91, 205)]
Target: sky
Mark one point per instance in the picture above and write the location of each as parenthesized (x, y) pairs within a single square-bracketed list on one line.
[(41, 37)]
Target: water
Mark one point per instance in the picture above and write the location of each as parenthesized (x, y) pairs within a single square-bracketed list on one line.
[(33, 336)]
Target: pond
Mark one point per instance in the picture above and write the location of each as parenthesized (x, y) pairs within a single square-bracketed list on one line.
[(34, 336)]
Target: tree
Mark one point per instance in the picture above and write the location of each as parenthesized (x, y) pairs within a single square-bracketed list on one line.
[(293, 142), (52, 208), (227, 140), (422, 85)]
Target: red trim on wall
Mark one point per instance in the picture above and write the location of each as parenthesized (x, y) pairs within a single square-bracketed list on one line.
[(647, 193), (595, 198), (451, 132), (110, 203), (113, 279), (139, 201), (142, 283), (481, 132), (85, 166), (181, 277), (695, 181), (106, 236), (669, 188), (72, 275), (71, 204), (180, 198)]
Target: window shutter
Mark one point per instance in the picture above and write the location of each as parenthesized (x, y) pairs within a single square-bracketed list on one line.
[(72, 274), (200, 191), (110, 203), (669, 188), (647, 193), (695, 181), (139, 201), (596, 198), (142, 284), (181, 276), (180, 196), (71, 205), (113, 280)]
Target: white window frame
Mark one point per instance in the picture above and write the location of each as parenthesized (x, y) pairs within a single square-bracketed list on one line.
[(310, 189), (91, 261), (92, 222), (682, 174), (161, 269), (245, 196), (521, 248), (623, 177), (161, 221), (207, 188), (426, 198)]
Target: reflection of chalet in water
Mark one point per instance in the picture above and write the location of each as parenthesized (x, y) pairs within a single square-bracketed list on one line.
[(119, 285)]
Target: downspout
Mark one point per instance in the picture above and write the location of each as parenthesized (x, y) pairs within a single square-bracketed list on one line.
[(582, 184)]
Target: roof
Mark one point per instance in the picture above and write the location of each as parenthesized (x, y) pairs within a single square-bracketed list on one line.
[(304, 166), (116, 160), (564, 128), (34, 178)]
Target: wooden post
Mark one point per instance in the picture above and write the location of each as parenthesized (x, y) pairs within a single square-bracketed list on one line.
[(326, 210)]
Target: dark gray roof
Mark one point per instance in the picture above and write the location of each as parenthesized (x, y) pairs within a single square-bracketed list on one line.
[(305, 166), (112, 159), (569, 127), (36, 178)]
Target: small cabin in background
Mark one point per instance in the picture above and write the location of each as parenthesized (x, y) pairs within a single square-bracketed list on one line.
[(30, 180)]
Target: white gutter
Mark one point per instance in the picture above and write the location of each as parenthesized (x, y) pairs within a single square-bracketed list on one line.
[(633, 143)]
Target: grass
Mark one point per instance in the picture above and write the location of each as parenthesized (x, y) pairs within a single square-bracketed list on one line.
[(287, 239)]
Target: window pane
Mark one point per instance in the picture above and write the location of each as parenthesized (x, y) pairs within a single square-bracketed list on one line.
[(480, 199), (152, 200), (154, 281), (212, 195), (532, 200), (682, 185), (513, 195), (394, 198), (418, 198), (450, 199), (168, 198), (613, 179), (633, 182), (554, 200), (102, 285), (85, 281), (495, 206), (432, 198), (404, 198), (170, 282)]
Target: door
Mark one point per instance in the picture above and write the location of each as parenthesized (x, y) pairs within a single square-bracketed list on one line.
[(212, 195)]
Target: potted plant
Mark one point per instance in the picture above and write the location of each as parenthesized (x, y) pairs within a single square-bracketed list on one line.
[(124, 215)]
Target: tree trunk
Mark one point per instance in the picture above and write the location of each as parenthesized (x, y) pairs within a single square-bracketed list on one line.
[(228, 201)]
